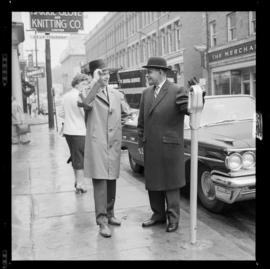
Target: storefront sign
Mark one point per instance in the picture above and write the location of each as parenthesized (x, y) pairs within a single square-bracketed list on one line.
[(137, 79), (56, 21), (246, 48), (132, 79)]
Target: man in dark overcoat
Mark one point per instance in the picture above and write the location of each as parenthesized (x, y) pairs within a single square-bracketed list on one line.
[(160, 130)]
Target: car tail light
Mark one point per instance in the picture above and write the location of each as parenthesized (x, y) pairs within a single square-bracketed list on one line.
[(248, 160), (234, 161)]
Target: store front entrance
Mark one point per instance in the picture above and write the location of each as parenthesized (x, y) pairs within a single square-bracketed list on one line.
[(237, 81)]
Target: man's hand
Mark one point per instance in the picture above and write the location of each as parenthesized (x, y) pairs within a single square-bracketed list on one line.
[(97, 75), (140, 151)]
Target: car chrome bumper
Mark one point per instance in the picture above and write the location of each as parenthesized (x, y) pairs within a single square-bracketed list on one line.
[(233, 189)]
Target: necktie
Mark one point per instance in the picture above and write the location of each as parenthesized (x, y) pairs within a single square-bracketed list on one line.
[(156, 91)]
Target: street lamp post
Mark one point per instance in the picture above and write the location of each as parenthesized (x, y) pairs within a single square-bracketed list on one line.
[(37, 66), (37, 82)]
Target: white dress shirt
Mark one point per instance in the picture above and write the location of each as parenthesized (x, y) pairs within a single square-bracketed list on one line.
[(159, 87), (74, 121)]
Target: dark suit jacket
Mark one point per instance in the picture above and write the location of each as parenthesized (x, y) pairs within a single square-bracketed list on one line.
[(160, 132)]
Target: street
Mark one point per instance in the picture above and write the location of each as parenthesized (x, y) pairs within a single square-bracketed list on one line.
[(51, 222)]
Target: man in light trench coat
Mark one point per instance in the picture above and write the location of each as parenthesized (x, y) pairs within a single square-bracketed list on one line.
[(160, 130), (106, 111)]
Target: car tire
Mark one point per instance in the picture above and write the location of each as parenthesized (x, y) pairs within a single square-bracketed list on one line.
[(134, 166), (206, 191)]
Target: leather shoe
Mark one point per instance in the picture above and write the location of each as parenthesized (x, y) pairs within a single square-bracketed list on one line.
[(151, 222), (104, 230), (114, 221), (172, 227)]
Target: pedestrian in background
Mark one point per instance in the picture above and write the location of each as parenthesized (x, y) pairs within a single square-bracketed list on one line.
[(74, 128), (106, 111), (160, 130), (18, 124)]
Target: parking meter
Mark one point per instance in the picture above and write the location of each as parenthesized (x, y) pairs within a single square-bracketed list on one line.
[(195, 106)]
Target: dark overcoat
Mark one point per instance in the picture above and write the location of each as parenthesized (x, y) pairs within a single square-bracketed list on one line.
[(160, 132)]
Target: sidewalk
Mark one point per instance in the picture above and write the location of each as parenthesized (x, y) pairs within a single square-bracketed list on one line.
[(51, 222), (38, 119)]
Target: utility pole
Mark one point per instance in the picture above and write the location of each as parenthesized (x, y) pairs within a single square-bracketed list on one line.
[(49, 81)]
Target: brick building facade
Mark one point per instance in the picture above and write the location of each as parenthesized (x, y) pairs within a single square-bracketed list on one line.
[(128, 39), (232, 52)]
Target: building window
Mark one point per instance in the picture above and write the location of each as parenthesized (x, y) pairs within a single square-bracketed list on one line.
[(238, 81), (252, 22), (141, 52), (235, 82), (148, 18), (154, 45), (144, 18), (177, 34), (146, 49), (145, 55), (163, 42), (246, 82), (123, 59), (231, 24), (213, 37), (152, 16), (170, 38), (139, 19), (136, 54), (133, 23), (133, 55), (149, 49), (222, 83)]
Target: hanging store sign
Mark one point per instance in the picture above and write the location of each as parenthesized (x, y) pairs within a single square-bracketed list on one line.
[(49, 36), (38, 72), (56, 21), (242, 49)]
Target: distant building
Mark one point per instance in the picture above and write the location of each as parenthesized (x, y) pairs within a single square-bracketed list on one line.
[(128, 39), (71, 59), (17, 38), (232, 52)]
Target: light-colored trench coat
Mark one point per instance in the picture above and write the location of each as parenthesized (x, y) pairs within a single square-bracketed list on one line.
[(104, 134)]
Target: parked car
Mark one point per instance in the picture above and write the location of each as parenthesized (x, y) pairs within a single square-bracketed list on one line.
[(226, 150)]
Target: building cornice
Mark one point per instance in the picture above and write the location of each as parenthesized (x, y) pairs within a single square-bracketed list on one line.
[(232, 43)]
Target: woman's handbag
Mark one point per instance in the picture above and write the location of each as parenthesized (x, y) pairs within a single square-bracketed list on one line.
[(23, 128)]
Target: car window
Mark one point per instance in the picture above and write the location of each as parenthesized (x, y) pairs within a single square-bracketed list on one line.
[(219, 109), (229, 108)]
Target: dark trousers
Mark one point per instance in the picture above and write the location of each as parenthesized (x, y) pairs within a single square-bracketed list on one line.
[(104, 196), (157, 202)]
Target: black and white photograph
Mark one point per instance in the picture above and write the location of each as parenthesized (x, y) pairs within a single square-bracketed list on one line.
[(133, 135)]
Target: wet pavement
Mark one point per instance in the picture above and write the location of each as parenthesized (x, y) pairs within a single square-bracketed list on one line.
[(51, 222)]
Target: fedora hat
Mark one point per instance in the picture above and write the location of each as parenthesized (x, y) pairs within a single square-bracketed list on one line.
[(157, 63), (97, 64)]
